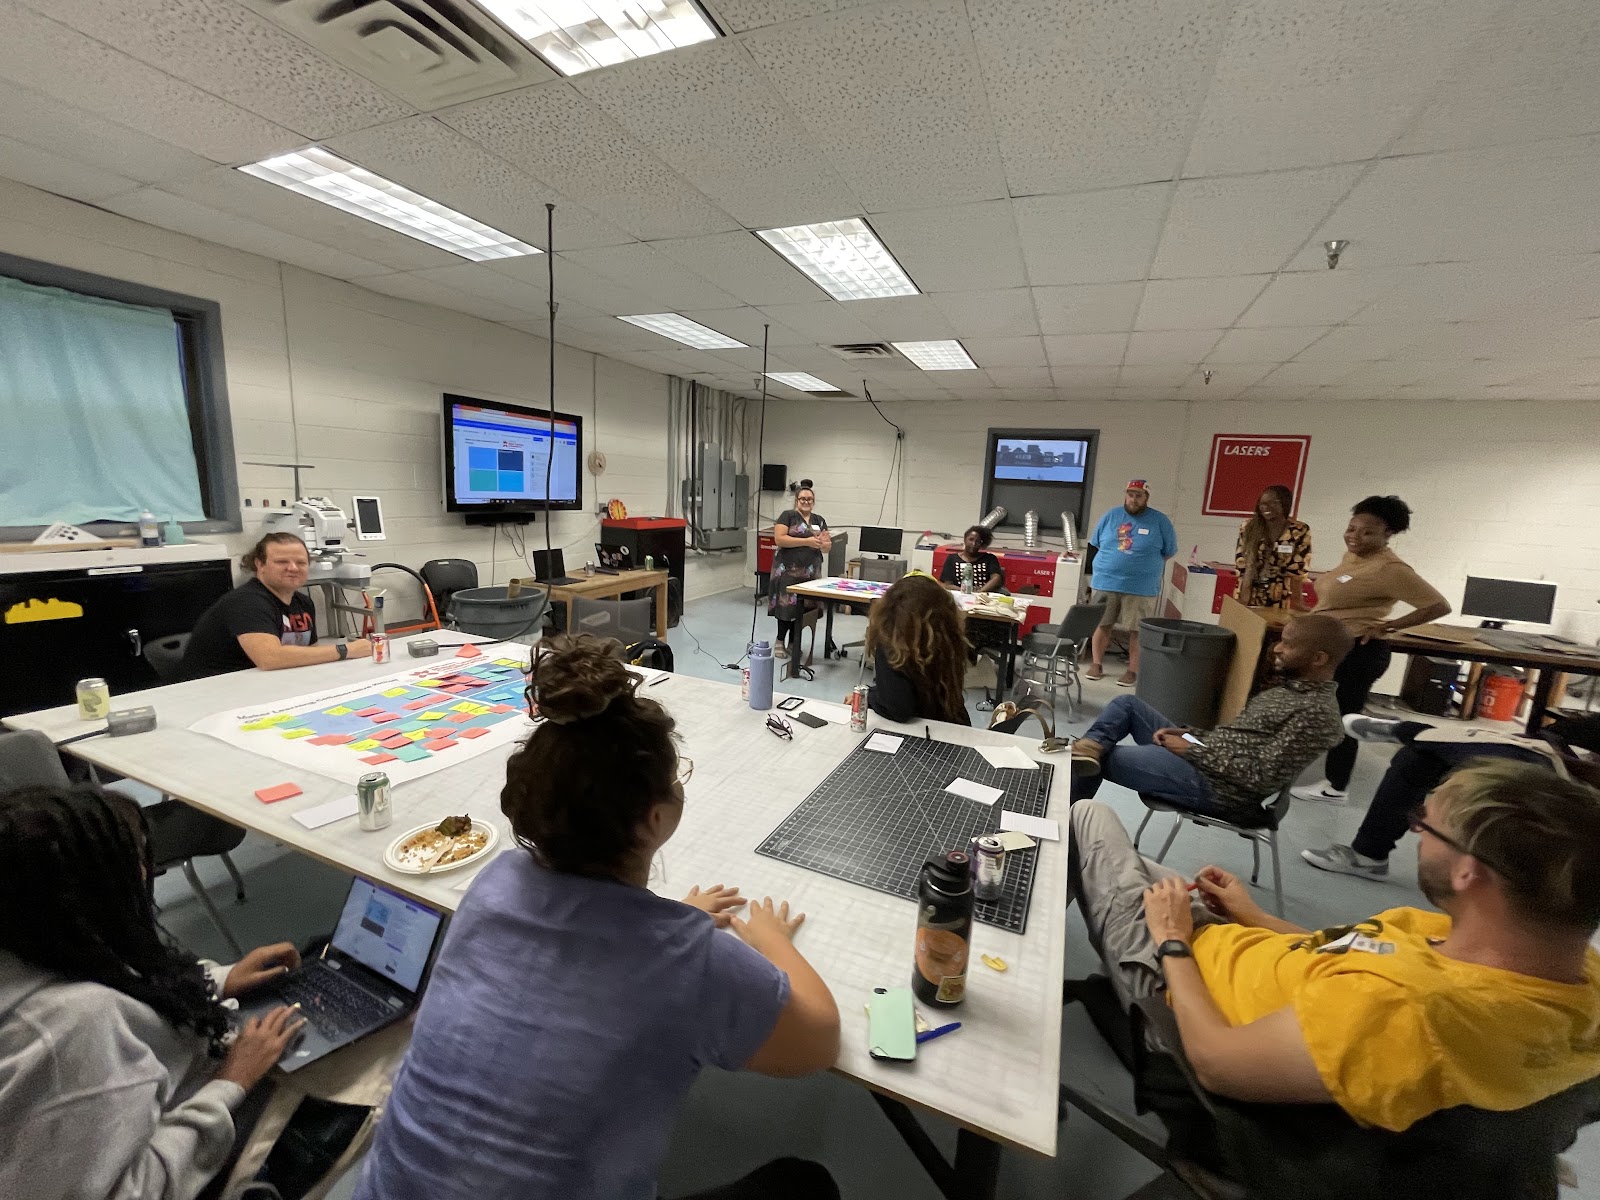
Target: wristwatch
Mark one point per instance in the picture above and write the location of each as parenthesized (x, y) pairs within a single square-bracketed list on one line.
[(343, 647), (1175, 947)]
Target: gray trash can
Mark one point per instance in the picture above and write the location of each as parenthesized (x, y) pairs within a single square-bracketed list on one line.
[(490, 612), (1182, 668)]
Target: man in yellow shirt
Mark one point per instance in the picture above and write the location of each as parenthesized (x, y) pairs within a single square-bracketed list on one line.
[(1495, 1003)]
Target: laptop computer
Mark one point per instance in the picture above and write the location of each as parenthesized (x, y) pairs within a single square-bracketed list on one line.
[(550, 566), (368, 976), (618, 558)]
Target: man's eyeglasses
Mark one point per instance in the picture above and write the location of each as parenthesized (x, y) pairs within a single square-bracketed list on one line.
[(780, 727), (1418, 823)]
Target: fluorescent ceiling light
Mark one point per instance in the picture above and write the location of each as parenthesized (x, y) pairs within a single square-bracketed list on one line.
[(800, 381), (937, 356), (681, 329), (327, 177), (844, 258), (575, 36)]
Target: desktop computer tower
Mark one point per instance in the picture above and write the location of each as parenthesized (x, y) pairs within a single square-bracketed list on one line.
[(1429, 684)]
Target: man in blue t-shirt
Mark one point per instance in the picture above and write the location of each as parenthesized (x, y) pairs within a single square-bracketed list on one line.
[(1132, 545)]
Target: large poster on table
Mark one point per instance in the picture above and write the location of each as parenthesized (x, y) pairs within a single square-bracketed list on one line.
[(1243, 465)]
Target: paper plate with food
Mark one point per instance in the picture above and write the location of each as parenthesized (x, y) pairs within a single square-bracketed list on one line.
[(453, 842)]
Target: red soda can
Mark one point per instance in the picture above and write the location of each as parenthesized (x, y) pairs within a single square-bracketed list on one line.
[(858, 708), (380, 647)]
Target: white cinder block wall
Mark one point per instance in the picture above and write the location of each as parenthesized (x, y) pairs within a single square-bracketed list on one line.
[(1503, 489), (323, 372)]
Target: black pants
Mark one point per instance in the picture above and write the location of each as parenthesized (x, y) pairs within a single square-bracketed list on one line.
[(1361, 668), (1415, 771), (780, 1179)]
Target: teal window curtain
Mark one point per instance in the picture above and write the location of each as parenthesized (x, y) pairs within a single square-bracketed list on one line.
[(94, 423)]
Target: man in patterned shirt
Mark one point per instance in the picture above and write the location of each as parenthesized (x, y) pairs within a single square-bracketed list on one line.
[(1232, 770)]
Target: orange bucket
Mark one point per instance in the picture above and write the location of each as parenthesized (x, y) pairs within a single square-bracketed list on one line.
[(1498, 697)]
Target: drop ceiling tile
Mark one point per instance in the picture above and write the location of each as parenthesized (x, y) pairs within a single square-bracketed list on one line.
[(1248, 224), (74, 133), (1154, 375), (1227, 380), (1197, 303), (1361, 343), (1094, 237), (1086, 349), (640, 267), (1301, 374), (434, 159), (224, 49), (711, 116), (56, 173), (892, 97), (67, 66), (736, 16), (157, 207), (1304, 83), (1095, 95), (1527, 73), (744, 266), (1006, 312), (903, 318), (428, 291), (1171, 346), (745, 323), (1508, 200), (1264, 345), (1089, 308), (528, 298), (577, 283), (556, 135), (1007, 352), (1558, 286), (955, 248), (822, 321), (1077, 380), (1018, 377), (1319, 297)]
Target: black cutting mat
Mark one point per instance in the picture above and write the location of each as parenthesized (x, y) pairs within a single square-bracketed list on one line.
[(878, 817)]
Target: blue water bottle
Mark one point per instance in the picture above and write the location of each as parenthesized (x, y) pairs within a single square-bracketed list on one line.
[(760, 676)]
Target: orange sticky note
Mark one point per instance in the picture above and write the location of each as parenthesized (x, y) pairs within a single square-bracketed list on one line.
[(282, 791)]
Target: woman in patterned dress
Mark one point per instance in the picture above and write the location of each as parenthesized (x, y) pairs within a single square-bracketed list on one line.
[(802, 540), (1273, 554)]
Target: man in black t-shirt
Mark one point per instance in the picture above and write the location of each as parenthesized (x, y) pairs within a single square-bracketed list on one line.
[(264, 623)]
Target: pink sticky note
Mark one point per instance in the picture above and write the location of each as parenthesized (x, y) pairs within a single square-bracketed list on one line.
[(468, 651), (381, 717), (417, 704), (367, 712), (377, 759), (395, 743), (499, 708), (477, 731), (459, 718), (438, 744), (330, 739), (282, 791)]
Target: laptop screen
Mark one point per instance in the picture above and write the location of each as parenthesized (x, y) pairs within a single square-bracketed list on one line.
[(386, 933)]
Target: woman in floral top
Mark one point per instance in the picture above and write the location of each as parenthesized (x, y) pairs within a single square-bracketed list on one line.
[(1273, 554)]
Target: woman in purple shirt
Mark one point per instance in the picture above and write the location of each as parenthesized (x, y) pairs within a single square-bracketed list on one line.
[(571, 1008)]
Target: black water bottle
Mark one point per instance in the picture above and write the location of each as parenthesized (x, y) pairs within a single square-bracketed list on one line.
[(944, 929)]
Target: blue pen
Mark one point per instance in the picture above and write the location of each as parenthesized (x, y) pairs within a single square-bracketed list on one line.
[(928, 1035)]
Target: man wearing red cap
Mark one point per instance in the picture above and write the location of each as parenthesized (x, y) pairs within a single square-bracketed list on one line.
[(1132, 545)]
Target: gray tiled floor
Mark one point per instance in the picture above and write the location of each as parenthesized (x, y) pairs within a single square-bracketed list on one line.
[(734, 1122)]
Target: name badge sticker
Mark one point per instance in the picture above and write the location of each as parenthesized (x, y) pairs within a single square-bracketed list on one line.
[(1144, 531), (1285, 547), (1344, 579)]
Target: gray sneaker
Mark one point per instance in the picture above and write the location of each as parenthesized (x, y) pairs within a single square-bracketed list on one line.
[(1344, 861), (1371, 729)]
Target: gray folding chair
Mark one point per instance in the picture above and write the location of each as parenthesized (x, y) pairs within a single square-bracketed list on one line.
[(1055, 651), (1255, 833), (29, 759)]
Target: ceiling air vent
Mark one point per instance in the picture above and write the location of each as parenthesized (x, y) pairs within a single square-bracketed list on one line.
[(430, 53), (864, 351)]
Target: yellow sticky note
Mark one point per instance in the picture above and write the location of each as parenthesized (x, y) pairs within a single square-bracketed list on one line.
[(509, 662), (430, 683), (279, 719), (430, 716), (255, 725), (339, 711), (416, 735), (295, 733), (464, 707), (395, 691), (364, 744)]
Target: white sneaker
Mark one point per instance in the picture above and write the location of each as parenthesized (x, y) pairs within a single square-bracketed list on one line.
[(1344, 861), (1370, 729), (1323, 791)]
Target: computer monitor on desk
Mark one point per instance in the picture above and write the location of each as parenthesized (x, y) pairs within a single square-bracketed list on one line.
[(1497, 601), (882, 543)]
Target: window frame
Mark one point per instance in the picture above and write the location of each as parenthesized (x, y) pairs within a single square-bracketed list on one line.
[(205, 386)]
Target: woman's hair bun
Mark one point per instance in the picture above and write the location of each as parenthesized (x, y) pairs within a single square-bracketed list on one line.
[(575, 678)]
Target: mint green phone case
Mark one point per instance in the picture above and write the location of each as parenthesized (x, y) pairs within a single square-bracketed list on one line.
[(892, 1025)]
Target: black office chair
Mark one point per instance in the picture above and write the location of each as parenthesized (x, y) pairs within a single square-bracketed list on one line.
[(447, 576), (1225, 1149)]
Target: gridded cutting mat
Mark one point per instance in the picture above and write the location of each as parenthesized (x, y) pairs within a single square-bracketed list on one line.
[(878, 817)]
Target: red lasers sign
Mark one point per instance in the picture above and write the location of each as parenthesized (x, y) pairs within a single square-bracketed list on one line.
[(1243, 465)]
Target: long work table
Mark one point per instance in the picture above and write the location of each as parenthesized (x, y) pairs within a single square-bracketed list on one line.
[(997, 1078)]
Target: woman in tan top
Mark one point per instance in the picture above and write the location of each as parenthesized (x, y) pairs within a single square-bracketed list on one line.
[(1368, 582)]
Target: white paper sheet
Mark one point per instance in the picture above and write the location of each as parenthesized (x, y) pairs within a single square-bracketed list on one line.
[(327, 814), (887, 743), (1007, 758), (837, 714), (982, 793), (1012, 840), (649, 674), (1038, 827), (453, 637)]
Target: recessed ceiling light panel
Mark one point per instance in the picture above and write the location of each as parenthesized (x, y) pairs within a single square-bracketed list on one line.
[(682, 329), (802, 382), (575, 36), (843, 258), (327, 177), (937, 356)]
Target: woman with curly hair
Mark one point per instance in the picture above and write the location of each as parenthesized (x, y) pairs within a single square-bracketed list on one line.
[(1273, 553), (917, 639), (115, 1077)]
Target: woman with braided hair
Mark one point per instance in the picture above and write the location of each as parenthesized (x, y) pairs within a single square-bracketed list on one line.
[(117, 1075)]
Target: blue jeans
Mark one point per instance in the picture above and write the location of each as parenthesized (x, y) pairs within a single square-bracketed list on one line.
[(1143, 766)]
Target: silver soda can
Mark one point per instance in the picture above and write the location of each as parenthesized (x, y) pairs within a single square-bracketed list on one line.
[(380, 647), (94, 700), (858, 708), (990, 873), (372, 801)]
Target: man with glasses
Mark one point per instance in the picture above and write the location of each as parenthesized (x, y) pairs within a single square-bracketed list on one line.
[(1493, 1003)]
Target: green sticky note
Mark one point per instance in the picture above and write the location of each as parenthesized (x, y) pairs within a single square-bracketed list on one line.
[(410, 753), (394, 691), (295, 733), (430, 716), (338, 711), (364, 744)]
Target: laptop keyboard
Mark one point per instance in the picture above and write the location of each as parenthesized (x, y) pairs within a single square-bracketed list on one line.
[(337, 1007)]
